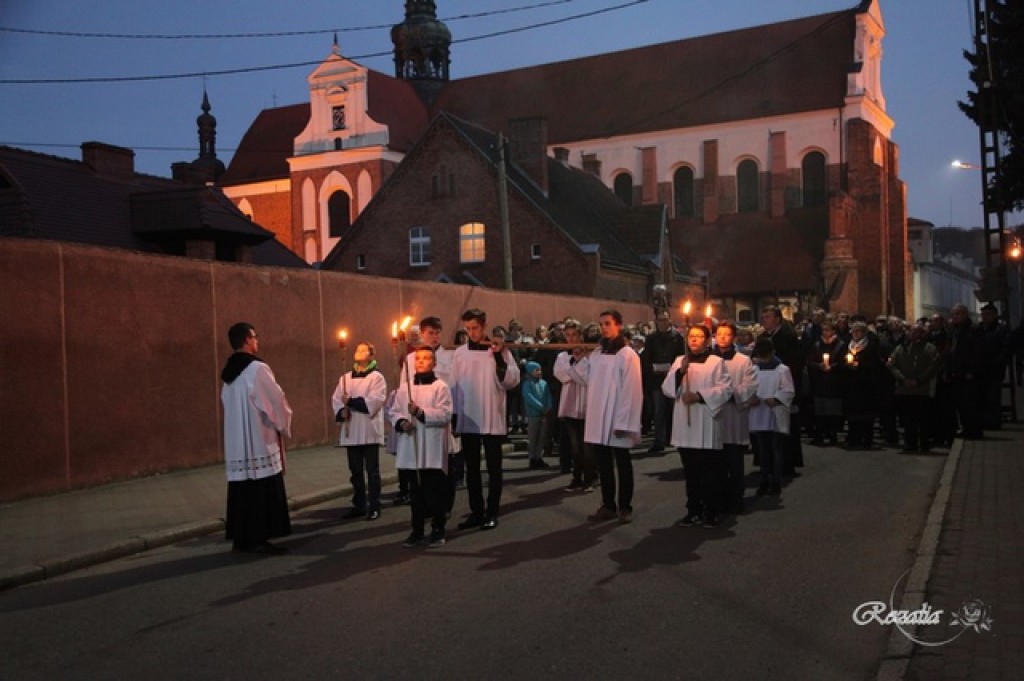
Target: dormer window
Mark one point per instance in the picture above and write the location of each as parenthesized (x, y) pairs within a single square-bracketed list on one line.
[(338, 117)]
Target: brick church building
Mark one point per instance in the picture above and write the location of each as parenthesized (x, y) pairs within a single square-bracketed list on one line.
[(754, 165)]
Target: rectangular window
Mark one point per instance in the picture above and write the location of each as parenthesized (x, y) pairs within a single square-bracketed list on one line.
[(338, 117), (360, 262), (471, 242), (535, 251), (419, 246)]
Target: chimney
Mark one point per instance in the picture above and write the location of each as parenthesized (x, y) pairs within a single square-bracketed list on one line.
[(528, 148), (592, 165), (562, 156), (108, 160)]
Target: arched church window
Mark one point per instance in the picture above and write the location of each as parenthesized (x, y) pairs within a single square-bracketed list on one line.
[(812, 171), (747, 186), (682, 191), (623, 188), (339, 212)]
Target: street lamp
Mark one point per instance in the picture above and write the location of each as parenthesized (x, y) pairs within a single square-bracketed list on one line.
[(965, 166)]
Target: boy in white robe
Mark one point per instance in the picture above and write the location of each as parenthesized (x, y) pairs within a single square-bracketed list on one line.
[(770, 414), (358, 402), (482, 371), (698, 382), (571, 370), (422, 416), (615, 400), (256, 419), (735, 420)]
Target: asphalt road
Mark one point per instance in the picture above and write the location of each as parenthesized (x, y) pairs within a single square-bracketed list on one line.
[(769, 595)]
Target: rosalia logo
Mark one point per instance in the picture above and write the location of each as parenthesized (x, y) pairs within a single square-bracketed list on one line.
[(972, 615)]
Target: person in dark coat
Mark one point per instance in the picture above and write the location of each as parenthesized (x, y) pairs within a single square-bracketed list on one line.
[(963, 368), (824, 368), (862, 367), (994, 337)]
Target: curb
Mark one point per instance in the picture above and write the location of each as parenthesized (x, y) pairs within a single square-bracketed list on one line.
[(899, 648), (35, 572)]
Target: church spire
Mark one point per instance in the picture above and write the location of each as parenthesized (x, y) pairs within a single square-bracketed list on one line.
[(422, 48), (207, 167)]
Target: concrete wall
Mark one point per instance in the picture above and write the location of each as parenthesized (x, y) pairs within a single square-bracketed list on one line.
[(110, 360)]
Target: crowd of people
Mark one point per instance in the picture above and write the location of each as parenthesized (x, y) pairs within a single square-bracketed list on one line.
[(593, 390)]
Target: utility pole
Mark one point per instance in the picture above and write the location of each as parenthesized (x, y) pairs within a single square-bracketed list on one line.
[(995, 285), (506, 233)]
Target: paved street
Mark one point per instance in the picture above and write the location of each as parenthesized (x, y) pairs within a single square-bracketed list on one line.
[(547, 594)]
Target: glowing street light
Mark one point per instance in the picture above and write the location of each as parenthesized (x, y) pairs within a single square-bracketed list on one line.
[(965, 166)]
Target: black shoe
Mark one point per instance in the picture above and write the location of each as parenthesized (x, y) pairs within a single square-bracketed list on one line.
[(655, 449), (269, 549), (470, 522), (436, 539), (764, 489), (711, 521), (775, 490), (353, 513), (373, 515), (489, 523), (413, 540), (401, 500), (541, 463), (691, 520)]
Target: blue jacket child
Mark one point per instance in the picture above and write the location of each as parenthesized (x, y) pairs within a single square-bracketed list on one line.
[(537, 403)]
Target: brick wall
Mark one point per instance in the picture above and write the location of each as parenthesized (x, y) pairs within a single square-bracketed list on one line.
[(111, 359)]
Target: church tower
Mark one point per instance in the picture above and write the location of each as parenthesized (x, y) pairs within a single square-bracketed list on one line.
[(207, 167), (422, 49)]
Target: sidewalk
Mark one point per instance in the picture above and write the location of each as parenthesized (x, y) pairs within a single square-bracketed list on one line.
[(52, 535), (48, 536)]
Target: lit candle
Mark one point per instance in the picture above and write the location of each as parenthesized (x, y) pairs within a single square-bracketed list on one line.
[(850, 358), (342, 339), (394, 332), (824, 359), (708, 321), (687, 306)]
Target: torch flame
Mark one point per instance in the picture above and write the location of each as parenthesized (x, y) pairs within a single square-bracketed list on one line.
[(687, 306), (405, 323), (343, 334), (707, 310), (394, 329)]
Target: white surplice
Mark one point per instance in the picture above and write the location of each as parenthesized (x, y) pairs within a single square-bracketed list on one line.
[(615, 398), (256, 414), (702, 429), (478, 396), (427, 445), (362, 429), (573, 376)]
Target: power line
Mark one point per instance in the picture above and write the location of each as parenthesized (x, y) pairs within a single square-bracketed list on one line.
[(269, 34), (277, 67)]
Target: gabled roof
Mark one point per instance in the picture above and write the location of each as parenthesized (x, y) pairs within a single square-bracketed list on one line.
[(577, 202), (776, 69), (192, 212), (752, 253), (49, 197)]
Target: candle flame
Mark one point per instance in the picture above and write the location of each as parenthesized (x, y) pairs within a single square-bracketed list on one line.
[(687, 306), (405, 323), (394, 329), (343, 334), (707, 310)]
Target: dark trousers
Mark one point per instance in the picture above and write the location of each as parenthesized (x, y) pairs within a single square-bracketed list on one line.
[(662, 416), (914, 411), (584, 465), (703, 469), (772, 449), (733, 480), (491, 445), (365, 492), (428, 498), (612, 460), (968, 395), (942, 419)]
